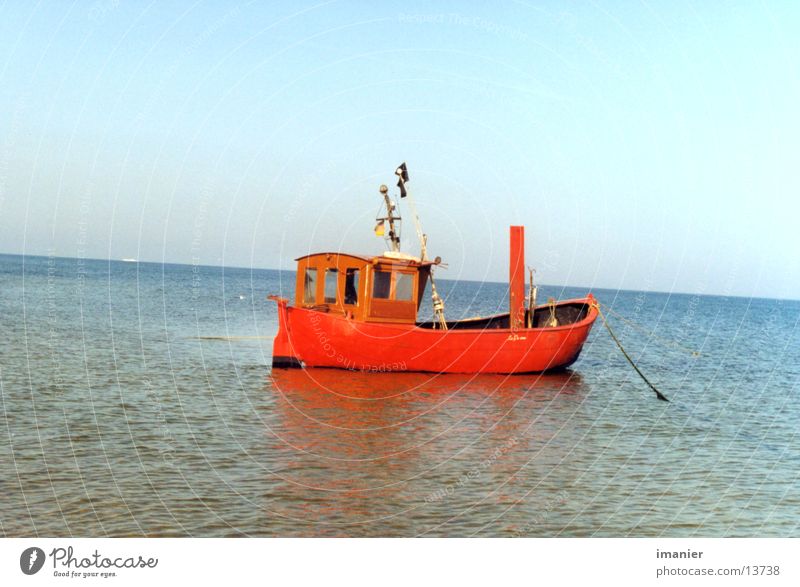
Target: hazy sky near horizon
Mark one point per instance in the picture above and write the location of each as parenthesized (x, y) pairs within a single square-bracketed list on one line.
[(644, 145)]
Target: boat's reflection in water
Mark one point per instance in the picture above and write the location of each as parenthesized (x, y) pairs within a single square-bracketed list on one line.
[(358, 401), (363, 448)]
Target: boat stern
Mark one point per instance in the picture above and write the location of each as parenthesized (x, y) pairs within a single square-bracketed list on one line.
[(283, 355)]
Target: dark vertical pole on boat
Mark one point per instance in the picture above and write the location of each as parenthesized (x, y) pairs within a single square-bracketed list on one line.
[(531, 298), (516, 277)]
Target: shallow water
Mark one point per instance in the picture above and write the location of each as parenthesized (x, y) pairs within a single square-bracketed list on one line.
[(117, 419)]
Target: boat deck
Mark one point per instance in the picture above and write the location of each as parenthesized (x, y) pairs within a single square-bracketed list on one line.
[(566, 314)]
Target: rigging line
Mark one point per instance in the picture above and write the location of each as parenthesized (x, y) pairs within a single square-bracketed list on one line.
[(644, 330)]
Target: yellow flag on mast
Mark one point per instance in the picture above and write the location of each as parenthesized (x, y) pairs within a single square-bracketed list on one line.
[(379, 228)]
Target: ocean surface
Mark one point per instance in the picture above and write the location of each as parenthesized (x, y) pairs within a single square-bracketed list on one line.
[(138, 400)]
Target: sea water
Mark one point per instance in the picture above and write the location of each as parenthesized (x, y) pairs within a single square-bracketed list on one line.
[(138, 400)]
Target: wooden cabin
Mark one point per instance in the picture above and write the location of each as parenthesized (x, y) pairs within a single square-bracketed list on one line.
[(388, 288)]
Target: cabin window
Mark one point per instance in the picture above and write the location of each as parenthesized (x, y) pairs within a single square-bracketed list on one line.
[(403, 286), (331, 280), (351, 286), (310, 286), (382, 284)]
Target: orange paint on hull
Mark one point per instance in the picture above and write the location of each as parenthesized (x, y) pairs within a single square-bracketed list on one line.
[(311, 338)]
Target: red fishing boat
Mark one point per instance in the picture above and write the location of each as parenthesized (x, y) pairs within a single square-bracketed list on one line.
[(360, 313)]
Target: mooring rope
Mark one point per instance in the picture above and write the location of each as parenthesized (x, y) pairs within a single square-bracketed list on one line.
[(659, 395)]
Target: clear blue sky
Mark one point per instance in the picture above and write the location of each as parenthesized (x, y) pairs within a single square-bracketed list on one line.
[(645, 145)]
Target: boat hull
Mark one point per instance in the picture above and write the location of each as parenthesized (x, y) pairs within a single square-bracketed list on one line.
[(310, 338)]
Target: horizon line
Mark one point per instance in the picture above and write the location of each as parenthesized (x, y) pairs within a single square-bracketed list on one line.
[(183, 264)]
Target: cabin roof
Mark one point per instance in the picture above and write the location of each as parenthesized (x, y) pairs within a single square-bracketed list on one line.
[(362, 257), (387, 258)]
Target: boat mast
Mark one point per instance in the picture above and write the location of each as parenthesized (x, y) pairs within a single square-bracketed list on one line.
[(394, 237)]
